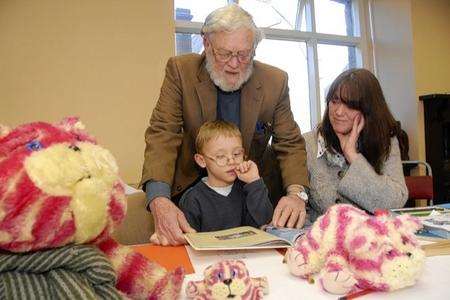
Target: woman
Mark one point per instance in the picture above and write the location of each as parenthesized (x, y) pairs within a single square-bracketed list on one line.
[(353, 155)]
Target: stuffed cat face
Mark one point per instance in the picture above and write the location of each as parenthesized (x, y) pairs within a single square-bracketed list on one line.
[(56, 187), (403, 257), (228, 279), (384, 250), (379, 260)]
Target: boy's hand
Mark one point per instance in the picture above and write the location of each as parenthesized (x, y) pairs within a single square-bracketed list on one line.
[(247, 171)]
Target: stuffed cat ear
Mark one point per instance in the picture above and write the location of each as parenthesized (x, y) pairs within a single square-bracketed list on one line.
[(74, 126), (407, 223), (241, 264), (4, 130), (207, 271), (71, 124)]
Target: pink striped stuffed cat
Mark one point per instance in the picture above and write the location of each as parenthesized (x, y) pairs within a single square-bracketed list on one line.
[(354, 251), (58, 187), (228, 279)]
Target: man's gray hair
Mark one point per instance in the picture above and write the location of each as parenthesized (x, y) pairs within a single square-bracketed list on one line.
[(230, 18)]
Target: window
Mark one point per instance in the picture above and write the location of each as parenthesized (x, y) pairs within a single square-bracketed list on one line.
[(312, 40)]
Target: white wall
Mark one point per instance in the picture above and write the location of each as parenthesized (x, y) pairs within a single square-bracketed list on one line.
[(394, 63), (101, 60), (431, 35)]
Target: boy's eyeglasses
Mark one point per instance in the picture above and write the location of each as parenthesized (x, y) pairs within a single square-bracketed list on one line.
[(223, 56), (222, 160)]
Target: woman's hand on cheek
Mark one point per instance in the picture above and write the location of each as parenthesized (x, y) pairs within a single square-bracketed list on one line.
[(349, 142)]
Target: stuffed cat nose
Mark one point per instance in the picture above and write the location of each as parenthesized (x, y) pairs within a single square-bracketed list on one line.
[(409, 254), (227, 281)]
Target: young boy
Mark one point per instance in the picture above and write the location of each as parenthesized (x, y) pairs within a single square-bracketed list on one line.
[(233, 194)]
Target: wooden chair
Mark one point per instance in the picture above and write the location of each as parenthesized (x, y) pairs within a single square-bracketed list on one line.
[(138, 225), (419, 187)]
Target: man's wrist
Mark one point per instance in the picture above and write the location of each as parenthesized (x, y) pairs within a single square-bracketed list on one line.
[(154, 189), (298, 191), (157, 200)]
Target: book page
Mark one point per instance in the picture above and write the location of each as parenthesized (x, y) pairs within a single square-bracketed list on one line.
[(435, 219), (418, 211), (438, 223), (289, 234), (244, 237)]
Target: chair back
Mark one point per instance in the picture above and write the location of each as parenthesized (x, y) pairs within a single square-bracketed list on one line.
[(420, 187)]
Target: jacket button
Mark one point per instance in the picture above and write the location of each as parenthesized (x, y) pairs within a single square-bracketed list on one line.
[(341, 174), (179, 188)]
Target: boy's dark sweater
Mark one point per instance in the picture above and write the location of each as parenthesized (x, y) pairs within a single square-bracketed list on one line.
[(246, 204)]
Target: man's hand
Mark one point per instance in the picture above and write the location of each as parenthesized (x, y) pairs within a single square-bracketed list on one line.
[(247, 171), (170, 223), (290, 212), (349, 142)]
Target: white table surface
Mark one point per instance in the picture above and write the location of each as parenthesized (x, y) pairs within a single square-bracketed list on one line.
[(433, 284)]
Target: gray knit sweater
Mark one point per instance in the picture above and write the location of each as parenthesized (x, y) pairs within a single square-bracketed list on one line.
[(357, 183)]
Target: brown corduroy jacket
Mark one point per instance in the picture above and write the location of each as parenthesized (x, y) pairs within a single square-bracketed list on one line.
[(188, 98)]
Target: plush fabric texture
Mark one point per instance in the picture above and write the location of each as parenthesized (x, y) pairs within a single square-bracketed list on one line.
[(58, 187), (228, 279), (354, 251), (70, 272)]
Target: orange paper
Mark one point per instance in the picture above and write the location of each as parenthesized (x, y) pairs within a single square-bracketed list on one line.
[(168, 257)]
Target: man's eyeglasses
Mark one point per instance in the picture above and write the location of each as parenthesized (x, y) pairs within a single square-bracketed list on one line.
[(223, 56), (222, 160)]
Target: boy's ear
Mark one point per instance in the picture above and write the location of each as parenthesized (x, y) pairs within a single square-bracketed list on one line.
[(200, 160)]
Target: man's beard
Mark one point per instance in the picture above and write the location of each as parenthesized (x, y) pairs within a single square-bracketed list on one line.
[(219, 79)]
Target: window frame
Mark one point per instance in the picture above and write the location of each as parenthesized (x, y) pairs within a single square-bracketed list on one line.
[(359, 40)]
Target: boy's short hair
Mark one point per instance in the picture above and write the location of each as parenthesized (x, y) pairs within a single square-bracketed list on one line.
[(213, 129)]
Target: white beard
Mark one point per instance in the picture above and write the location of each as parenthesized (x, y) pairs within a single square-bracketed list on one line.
[(221, 82)]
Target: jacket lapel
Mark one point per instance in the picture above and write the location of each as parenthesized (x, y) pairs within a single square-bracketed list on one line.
[(251, 99), (207, 94)]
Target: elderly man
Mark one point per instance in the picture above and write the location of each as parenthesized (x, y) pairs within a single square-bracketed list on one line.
[(222, 83)]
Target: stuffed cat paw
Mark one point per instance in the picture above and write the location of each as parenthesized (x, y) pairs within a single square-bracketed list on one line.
[(338, 282)]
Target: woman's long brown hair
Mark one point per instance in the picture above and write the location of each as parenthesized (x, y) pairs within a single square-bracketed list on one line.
[(359, 89)]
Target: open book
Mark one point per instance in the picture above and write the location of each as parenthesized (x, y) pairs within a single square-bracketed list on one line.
[(244, 237), (438, 223), (435, 219)]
